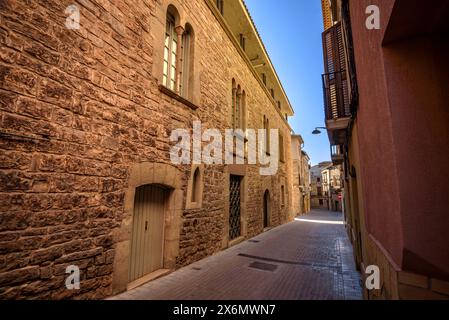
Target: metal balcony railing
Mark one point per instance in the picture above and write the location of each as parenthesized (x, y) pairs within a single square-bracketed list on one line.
[(336, 95)]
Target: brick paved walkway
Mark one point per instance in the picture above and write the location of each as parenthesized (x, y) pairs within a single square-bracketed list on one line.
[(310, 258)]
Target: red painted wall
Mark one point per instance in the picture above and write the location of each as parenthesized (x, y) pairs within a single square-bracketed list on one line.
[(404, 140), (417, 74), (377, 153)]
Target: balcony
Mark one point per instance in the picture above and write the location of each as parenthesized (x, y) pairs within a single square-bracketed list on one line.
[(336, 105), (337, 154)]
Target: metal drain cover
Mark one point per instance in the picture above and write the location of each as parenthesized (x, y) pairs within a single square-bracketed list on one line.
[(253, 241), (263, 266)]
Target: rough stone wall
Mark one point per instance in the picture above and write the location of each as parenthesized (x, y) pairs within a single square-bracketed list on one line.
[(80, 107)]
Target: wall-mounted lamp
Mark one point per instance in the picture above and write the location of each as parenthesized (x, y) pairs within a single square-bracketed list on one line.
[(317, 130)]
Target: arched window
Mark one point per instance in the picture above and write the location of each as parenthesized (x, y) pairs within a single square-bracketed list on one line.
[(196, 183), (195, 187), (282, 196), (243, 111), (170, 50), (267, 134), (234, 103), (185, 86), (266, 125), (238, 107), (178, 55)]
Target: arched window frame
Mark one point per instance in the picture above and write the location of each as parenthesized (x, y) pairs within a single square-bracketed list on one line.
[(195, 188), (267, 135), (171, 49), (233, 103), (187, 62), (238, 106), (244, 119), (178, 56)]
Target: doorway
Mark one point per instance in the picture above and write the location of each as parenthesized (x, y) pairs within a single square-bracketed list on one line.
[(147, 243), (266, 209), (235, 223)]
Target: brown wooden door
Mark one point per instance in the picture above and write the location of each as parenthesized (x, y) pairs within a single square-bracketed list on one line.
[(147, 243)]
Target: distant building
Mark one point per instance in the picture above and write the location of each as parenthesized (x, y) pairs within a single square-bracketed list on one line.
[(332, 187), (318, 198)]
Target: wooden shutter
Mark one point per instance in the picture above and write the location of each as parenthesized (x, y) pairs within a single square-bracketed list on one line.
[(335, 80)]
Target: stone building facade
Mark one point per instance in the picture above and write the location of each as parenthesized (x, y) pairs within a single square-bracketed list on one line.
[(305, 180), (301, 177), (86, 119)]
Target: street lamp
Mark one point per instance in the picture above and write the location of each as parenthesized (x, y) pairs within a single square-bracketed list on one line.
[(317, 130)]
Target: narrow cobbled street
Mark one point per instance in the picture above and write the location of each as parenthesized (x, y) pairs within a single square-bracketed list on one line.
[(309, 258)]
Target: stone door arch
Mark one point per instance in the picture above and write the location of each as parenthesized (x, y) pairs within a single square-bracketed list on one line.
[(141, 174)]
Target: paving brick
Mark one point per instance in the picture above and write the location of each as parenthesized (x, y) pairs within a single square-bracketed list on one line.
[(314, 261)]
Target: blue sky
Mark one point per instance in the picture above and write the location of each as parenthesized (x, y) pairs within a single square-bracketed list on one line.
[(291, 31)]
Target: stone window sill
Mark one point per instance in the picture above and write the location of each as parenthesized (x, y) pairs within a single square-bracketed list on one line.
[(194, 205), (177, 97)]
